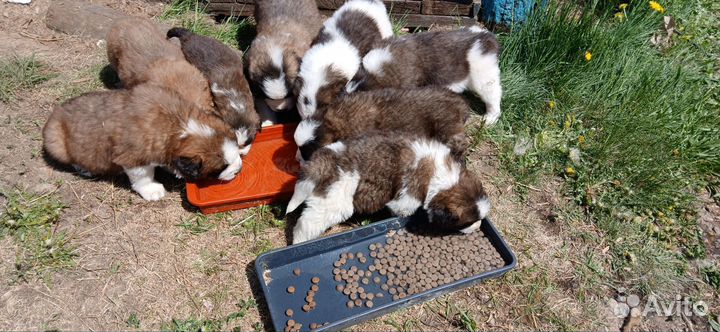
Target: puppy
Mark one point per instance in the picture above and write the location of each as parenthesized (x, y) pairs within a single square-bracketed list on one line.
[(336, 53), (136, 130), (428, 112), (139, 52), (465, 59), (223, 68), (285, 29), (403, 173)]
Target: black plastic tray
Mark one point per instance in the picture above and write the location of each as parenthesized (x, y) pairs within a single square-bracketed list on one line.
[(315, 259)]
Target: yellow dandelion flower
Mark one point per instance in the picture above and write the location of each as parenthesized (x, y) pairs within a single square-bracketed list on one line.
[(570, 171), (656, 6), (588, 56), (623, 6), (551, 104), (620, 16), (581, 139)]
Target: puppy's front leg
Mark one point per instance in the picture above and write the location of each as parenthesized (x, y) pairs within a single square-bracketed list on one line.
[(313, 222), (143, 181)]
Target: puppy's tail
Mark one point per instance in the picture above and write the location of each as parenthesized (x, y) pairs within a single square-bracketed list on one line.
[(180, 33), (54, 136), (303, 189)]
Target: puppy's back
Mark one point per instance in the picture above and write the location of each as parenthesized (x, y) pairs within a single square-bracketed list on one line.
[(76, 130), (133, 44)]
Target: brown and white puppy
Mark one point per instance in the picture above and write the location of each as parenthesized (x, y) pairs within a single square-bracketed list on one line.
[(336, 53), (285, 29), (223, 68), (431, 112), (399, 172), (134, 131), (465, 59), (139, 52)]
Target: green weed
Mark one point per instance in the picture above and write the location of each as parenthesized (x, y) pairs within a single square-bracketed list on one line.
[(133, 321), (32, 223), (632, 130), (21, 73), (221, 324), (197, 224)]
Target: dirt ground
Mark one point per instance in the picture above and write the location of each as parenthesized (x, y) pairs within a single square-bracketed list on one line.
[(134, 259)]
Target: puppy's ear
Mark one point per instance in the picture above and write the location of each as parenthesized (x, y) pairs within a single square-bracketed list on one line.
[(358, 81), (189, 168), (297, 86), (291, 64), (307, 149)]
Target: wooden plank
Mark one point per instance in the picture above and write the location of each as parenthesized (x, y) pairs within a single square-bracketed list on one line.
[(451, 8), (424, 21), (427, 7), (447, 12)]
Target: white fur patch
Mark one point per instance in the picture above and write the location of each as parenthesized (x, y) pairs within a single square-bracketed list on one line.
[(458, 87), (404, 205), (444, 176), (484, 81), (337, 54), (231, 153), (193, 127), (472, 228), (244, 151), (305, 131), (373, 62), (323, 212), (337, 147), (242, 135), (374, 9), (143, 182), (477, 28), (275, 88), (483, 206), (303, 189)]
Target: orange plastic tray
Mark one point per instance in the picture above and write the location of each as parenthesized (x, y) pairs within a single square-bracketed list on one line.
[(268, 175)]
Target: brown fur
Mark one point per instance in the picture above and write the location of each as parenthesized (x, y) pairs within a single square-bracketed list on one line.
[(430, 112), (357, 27), (386, 165), (223, 68), (133, 44), (428, 58), (108, 131), (289, 25)]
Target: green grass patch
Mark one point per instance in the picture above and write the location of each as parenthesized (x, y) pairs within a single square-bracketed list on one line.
[(190, 14), (133, 321), (632, 130), (255, 225), (220, 324), (19, 73), (31, 221)]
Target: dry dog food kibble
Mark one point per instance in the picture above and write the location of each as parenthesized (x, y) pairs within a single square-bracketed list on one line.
[(296, 271), (411, 263), (291, 289)]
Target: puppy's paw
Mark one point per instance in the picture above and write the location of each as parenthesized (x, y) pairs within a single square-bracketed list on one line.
[(491, 118), (152, 191)]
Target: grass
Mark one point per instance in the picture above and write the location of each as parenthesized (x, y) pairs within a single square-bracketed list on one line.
[(639, 117), (133, 321), (21, 72), (260, 219), (221, 324), (190, 15), (31, 222)]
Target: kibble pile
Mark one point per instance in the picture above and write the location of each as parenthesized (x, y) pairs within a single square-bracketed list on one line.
[(411, 263), (407, 263)]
